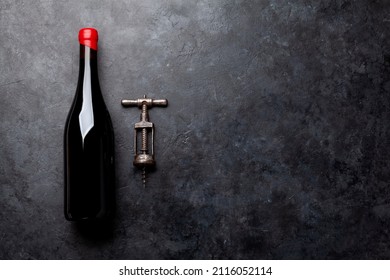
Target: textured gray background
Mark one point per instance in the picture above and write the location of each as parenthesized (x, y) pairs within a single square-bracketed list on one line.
[(275, 144)]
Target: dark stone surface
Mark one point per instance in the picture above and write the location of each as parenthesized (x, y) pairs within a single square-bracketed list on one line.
[(275, 144)]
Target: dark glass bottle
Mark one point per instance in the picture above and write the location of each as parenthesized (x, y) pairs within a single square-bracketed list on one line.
[(89, 143)]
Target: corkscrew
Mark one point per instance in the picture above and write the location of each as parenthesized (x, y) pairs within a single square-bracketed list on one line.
[(143, 159)]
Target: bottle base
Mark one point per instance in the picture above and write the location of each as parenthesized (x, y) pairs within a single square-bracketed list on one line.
[(84, 219)]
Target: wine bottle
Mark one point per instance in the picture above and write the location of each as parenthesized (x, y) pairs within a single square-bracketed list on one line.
[(88, 143)]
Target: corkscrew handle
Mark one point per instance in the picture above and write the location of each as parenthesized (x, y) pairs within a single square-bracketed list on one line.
[(144, 101)]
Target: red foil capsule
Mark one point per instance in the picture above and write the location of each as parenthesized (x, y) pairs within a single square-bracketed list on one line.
[(89, 37)]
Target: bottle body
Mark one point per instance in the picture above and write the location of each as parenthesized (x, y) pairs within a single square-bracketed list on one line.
[(88, 148)]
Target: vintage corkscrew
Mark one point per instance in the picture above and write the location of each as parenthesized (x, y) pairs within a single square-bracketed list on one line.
[(144, 159)]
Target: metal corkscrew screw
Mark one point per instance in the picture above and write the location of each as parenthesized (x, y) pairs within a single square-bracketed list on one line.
[(143, 159)]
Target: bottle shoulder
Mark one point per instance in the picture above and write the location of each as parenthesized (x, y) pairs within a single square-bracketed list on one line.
[(95, 110), (94, 98)]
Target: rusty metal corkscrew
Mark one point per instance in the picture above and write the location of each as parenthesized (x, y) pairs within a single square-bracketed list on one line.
[(143, 159)]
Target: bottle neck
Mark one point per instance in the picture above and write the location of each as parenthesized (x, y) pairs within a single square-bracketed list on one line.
[(88, 59)]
